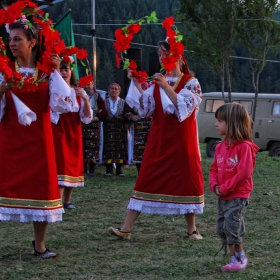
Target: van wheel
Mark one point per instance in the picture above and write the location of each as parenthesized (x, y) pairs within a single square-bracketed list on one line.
[(211, 147), (274, 150)]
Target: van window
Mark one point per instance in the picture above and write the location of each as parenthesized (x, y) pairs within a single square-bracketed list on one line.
[(212, 105), (276, 109), (247, 104)]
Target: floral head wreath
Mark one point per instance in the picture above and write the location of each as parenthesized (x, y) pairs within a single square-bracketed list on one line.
[(24, 21), (70, 61), (23, 12), (125, 34)]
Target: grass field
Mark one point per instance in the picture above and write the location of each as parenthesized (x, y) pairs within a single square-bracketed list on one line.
[(158, 248)]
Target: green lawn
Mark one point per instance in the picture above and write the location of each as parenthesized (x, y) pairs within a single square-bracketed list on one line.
[(158, 248)]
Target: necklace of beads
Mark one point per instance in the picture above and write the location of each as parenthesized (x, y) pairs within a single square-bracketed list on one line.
[(27, 74)]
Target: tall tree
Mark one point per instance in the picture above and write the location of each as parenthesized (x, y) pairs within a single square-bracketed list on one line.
[(210, 33), (260, 33)]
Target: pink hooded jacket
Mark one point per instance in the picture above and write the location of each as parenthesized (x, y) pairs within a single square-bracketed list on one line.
[(232, 169)]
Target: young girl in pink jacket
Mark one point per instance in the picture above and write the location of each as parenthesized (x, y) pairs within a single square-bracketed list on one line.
[(231, 178)]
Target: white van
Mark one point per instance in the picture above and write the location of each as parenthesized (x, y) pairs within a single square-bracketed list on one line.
[(266, 132)]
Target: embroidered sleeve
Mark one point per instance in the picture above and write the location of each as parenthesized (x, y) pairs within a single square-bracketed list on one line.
[(133, 100), (2, 101), (188, 99)]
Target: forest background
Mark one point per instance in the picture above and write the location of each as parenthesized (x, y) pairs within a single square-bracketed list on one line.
[(113, 14)]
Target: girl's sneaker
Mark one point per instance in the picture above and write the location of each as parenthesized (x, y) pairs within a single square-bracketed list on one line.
[(235, 265)]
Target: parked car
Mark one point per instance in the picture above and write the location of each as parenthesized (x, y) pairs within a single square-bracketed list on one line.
[(266, 132)]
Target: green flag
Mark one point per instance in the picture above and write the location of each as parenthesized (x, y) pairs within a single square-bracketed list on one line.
[(65, 28)]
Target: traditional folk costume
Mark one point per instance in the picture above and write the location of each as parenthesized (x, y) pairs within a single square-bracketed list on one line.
[(115, 142), (138, 133), (93, 133), (170, 180), (28, 181), (68, 144)]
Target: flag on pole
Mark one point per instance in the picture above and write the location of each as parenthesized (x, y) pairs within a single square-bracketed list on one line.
[(65, 28)]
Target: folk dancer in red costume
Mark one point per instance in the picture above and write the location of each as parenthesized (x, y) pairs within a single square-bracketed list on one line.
[(28, 181), (67, 135), (170, 180)]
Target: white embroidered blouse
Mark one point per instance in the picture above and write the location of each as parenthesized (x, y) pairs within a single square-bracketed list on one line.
[(58, 89), (188, 99), (76, 108)]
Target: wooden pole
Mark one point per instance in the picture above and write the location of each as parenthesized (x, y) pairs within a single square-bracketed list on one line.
[(93, 33)]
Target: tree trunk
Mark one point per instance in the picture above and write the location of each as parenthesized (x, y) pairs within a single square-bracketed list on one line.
[(222, 75), (228, 79)]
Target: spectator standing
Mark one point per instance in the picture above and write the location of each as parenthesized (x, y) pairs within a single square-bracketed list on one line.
[(115, 144), (93, 132)]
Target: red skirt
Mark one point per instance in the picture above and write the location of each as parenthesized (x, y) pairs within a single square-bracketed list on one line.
[(28, 181), (67, 137), (171, 173)]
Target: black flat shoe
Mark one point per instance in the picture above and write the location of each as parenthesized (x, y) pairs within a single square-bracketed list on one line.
[(69, 206), (45, 255)]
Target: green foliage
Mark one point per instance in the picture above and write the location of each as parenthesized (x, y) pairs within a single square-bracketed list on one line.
[(126, 63), (152, 17)]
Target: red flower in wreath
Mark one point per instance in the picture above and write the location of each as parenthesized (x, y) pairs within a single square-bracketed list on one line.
[(47, 64), (82, 54), (66, 59), (169, 62), (7, 72), (123, 41), (170, 33), (132, 65), (3, 61), (142, 76), (118, 60), (85, 80), (14, 11), (2, 17), (134, 28), (168, 22), (29, 84), (69, 51), (59, 46), (17, 77), (177, 49)]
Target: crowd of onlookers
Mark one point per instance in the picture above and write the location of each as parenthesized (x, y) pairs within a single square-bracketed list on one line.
[(117, 134)]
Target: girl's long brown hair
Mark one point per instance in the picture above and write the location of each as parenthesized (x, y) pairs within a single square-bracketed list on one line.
[(73, 79), (239, 124)]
